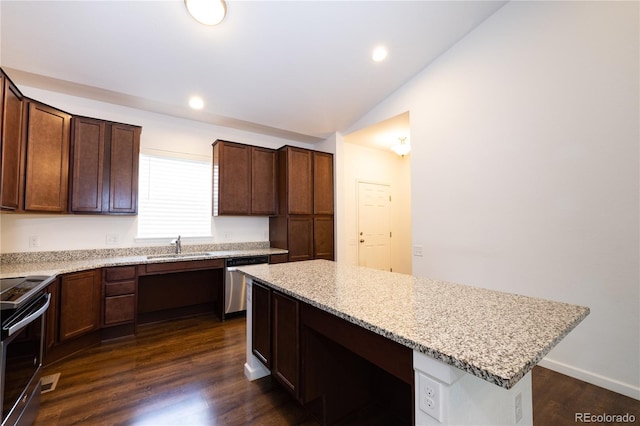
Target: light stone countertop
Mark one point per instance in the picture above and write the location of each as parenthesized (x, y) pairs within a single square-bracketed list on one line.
[(493, 335), (61, 264)]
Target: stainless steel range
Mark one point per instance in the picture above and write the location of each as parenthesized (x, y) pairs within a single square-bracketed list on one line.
[(23, 303)]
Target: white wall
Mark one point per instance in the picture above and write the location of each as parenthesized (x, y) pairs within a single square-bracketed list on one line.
[(377, 166), (159, 133), (525, 164)]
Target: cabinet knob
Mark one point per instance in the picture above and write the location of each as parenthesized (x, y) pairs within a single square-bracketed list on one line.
[(362, 241)]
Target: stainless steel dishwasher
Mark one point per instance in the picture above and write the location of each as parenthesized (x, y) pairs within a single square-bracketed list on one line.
[(235, 287)]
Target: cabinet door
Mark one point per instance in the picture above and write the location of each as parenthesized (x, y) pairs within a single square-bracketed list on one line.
[(123, 168), (2, 89), (12, 146), (323, 237), (79, 304), (47, 167), (51, 333), (300, 236), (231, 179), (322, 183), (261, 323), (263, 181), (299, 181), (87, 164), (286, 342)]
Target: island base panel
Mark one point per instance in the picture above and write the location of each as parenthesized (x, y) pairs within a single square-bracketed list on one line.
[(446, 395), (253, 368)]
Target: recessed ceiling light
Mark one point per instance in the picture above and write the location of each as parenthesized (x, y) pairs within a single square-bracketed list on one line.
[(196, 102), (207, 12), (379, 54)]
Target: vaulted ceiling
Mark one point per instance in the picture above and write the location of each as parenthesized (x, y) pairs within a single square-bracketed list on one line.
[(295, 69)]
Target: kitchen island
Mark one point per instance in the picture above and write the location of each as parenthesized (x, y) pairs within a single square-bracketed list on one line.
[(472, 349)]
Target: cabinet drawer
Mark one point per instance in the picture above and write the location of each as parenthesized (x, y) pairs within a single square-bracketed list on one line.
[(120, 273), (184, 266), (117, 289), (278, 258), (119, 309)]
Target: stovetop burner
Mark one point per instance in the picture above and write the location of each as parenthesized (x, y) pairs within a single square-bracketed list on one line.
[(15, 292)]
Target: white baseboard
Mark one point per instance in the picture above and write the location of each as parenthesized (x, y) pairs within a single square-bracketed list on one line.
[(595, 379)]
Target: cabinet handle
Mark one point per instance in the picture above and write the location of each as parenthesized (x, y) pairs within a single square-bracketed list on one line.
[(362, 241)]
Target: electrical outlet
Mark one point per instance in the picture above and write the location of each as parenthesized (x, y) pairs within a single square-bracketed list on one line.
[(417, 251), (34, 241), (227, 235), (430, 397), (112, 239), (518, 406)]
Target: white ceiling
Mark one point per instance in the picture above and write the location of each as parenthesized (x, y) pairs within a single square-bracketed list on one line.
[(295, 69)]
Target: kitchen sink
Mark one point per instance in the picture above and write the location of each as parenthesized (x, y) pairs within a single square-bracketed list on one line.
[(178, 256)]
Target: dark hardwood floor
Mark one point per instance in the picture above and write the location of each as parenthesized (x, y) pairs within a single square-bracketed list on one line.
[(190, 372)]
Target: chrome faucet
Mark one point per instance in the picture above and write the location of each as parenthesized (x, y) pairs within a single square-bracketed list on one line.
[(178, 245)]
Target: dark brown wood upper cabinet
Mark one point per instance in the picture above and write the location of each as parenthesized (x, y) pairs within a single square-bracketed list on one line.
[(231, 178), (87, 149), (105, 160), (11, 145), (304, 225), (263, 181), (296, 176), (322, 183), (47, 158), (123, 166), (244, 180)]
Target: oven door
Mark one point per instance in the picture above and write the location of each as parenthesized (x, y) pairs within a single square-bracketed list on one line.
[(21, 348)]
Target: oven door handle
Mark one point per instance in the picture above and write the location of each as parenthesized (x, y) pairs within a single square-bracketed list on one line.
[(30, 317)]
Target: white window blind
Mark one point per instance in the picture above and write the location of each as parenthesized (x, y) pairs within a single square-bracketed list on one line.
[(174, 197)]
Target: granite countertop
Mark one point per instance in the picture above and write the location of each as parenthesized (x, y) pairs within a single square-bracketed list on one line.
[(55, 263), (493, 335)]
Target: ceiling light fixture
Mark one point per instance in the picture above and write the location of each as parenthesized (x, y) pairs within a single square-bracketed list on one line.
[(401, 148), (379, 54), (207, 12), (196, 102)]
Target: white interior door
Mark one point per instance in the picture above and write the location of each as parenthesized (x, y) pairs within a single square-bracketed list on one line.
[(374, 229)]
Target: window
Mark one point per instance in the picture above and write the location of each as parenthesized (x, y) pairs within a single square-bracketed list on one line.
[(174, 197)]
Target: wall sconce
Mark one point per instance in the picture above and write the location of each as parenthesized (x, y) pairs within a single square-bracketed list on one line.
[(207, 12), (401, 148)]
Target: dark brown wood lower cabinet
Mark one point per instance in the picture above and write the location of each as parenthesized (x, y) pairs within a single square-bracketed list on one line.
[(79, 304), (323, 237), (51, 333), (119, 309), (337, 370), (285, 365), (261, 323), (120, 291), (300, 238)]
